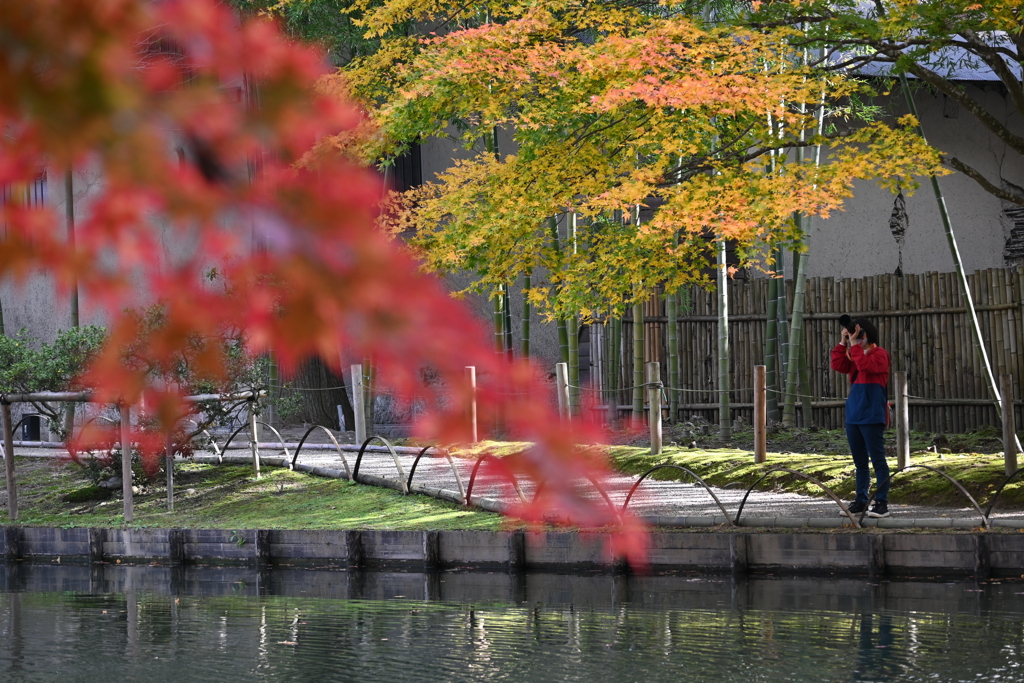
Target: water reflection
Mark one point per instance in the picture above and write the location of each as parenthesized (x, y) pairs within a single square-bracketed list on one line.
[(225, 624)]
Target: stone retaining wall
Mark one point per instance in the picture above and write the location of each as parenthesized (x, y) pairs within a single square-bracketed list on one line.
[(981, 555)]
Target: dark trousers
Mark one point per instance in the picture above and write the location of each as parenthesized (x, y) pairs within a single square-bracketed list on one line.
[(867, 442)]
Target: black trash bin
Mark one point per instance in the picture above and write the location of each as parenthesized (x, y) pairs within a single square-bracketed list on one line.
[(30, 428)]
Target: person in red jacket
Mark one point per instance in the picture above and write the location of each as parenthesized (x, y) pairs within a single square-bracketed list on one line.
[(859, 355)]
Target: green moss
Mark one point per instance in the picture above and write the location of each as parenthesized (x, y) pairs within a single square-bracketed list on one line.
[(229, 497), (87, 494), (980, 474)]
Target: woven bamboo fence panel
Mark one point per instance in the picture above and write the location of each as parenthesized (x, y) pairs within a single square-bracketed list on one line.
[(921, 320)]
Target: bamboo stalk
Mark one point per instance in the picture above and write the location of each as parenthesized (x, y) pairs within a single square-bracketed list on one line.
[(573, 335), (527, 312), (724, 417), (638, 363), (947, 225), (673, 356), (499, 321), (796, 332), (507, 323)]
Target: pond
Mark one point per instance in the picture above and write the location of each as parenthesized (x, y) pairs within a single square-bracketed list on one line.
[(114, 623)]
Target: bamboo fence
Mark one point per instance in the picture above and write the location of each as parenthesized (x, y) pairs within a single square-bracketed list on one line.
[(921, 322)]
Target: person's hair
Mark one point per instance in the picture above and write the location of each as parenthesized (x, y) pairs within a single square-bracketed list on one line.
[(868, 328)]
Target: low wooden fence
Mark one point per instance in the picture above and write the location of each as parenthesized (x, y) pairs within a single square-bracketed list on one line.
[(921, 320)]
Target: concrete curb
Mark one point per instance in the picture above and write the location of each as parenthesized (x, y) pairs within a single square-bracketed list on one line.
[(978, 555)]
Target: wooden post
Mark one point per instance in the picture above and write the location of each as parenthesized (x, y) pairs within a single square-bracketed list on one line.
[(1009, 424), (471, 408), (12, 489), (126, 462), (902, 421), (254, 439), (562, 389), (760, 413), (359, 403), (654, 399), (169, 453)]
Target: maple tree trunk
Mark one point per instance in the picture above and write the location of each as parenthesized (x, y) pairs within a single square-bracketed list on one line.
[(321, 391)]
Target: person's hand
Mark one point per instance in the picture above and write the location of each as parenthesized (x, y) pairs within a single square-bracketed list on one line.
[(845, 337), (857, 335)]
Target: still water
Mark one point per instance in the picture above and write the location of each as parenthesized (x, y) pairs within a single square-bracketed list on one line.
[(115, 624)]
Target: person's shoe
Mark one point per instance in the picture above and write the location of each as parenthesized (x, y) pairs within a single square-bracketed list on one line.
[(856, 507), (879, 509)]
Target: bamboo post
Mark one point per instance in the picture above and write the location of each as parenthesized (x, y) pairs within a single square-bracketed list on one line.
[(562, 389), (254, 439), (12, 489), (169, 454), (902, 421), (1009, 424), (654, 388), (358, 402), (760, 414), (126, 463), (471, 407)]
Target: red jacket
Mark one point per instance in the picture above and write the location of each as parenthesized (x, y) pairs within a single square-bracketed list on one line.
[(869, 377)]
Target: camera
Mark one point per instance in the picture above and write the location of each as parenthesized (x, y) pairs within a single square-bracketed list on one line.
[(847, 322)]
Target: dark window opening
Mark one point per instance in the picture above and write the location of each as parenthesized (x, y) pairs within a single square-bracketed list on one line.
[(407, 171)]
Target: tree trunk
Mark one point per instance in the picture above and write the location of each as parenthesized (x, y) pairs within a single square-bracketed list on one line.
[(322, 392)]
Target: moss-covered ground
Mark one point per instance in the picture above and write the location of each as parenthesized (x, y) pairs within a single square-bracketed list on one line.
[(975, 460), (229, 497)]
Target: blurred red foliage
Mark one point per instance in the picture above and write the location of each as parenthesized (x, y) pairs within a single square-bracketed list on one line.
[(116, 86)]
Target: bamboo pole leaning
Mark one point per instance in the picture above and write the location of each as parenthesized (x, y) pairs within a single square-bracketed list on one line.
[(965, 290)]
